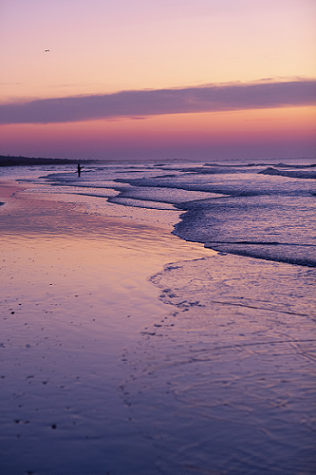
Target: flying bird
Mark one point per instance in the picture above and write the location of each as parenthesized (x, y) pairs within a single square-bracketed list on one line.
[(46, 51)]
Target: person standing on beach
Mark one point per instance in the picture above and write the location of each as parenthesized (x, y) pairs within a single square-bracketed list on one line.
[(79, 168)]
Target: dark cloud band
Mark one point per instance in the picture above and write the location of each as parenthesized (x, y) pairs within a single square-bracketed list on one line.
[(208, 98)]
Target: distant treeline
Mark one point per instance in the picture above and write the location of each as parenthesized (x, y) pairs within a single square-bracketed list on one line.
[(10, 161)]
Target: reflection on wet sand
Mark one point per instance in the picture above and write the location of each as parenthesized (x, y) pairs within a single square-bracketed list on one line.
[(74, 292)]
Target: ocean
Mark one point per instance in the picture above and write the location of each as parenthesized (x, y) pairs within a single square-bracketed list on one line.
[(224, 381), (265, 211)]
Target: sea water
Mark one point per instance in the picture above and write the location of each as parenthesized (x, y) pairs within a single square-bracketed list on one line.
[(266, 211), (260, 210), (224, 383)]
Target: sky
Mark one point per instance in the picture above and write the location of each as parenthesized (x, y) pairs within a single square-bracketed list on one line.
[(158, 79)]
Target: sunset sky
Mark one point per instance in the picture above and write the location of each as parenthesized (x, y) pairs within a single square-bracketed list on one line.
[(200, 79)]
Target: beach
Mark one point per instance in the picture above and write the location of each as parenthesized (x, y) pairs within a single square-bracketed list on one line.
[(127, 350), (74, 294)]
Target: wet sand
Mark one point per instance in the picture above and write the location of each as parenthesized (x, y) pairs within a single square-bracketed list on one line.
[(74, 294)]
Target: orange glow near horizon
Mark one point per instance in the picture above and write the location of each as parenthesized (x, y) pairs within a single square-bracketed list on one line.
[(204, 129)]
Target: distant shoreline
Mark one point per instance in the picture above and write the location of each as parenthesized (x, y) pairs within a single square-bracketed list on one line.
[(11, 161)]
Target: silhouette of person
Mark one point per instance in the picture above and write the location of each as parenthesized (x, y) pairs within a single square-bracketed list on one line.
[(79, 168)]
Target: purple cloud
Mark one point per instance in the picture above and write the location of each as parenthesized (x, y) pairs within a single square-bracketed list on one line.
[(145, 103)]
